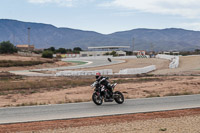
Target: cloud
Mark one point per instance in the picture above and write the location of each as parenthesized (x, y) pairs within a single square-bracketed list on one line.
[(192, 26), (185, 8), (68, 3)]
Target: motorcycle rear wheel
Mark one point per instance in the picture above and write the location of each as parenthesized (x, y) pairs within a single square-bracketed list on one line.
[(97, 99), (119, 97)]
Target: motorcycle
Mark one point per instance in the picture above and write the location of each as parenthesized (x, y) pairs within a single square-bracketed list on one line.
[(101, 93)]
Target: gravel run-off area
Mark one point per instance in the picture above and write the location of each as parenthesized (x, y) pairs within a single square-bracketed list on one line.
[(179, 121)]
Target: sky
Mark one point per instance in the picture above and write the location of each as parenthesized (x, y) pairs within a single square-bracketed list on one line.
[(106, 16)]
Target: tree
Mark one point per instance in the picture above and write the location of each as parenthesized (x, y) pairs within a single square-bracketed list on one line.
[(69, 50), (129, 52), (77, 50), (107, 53), (7, 48), (197, 51), (114, 53), (47, 54), (52, 49), (62, 50)]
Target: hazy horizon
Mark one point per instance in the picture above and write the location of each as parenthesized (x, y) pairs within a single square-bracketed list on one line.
[(105, 16)]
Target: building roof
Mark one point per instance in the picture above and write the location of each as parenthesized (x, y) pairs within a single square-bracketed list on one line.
[(24, 46), (108, 47)]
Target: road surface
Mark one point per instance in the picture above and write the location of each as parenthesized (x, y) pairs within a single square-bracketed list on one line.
[(89, 109), (91, 62)]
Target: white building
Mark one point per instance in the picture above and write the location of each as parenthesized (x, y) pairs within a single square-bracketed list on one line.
[(102, 50), (99, 53)]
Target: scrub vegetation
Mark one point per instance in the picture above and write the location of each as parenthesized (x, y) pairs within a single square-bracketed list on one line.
[(26, 91)]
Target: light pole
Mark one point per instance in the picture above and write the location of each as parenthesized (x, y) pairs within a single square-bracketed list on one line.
[(29, 35), (133, 45)]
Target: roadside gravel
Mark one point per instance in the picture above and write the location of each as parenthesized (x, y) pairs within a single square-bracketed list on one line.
[(177, 121), (187, 124)]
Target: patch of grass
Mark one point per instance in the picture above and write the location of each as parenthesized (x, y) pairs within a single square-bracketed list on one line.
[(149, 75), (148, 79), (33, 91), (178, 94), (28, 104), (77, 62), (146, 91), (152, 95), (70, 101), (128, 97), (60, 102), (33, 86), (120, 81), (3, 93), (163, 129), (78, 100), (6, 76), (14, 100), (12, 63), (187, 93), (10, 105), (42, 104), (22, 92)]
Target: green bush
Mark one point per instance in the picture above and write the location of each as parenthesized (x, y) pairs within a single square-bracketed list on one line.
[(47, 54), (7, 48), (107, 53), (114, 53), (77, 50)]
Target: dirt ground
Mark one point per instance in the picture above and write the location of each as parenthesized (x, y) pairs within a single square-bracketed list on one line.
[(138, 87), (188, 65), (178, 121), (22, 58)]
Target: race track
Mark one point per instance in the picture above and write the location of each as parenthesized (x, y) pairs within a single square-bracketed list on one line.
[(91, 62), (89, 109)]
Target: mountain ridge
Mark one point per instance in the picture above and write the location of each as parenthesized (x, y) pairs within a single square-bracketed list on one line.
[(47, 35)]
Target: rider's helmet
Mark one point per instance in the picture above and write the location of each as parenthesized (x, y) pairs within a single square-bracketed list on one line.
[(98, 75)]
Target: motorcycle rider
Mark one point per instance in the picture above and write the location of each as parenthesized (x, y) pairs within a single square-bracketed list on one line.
[(104, 81)]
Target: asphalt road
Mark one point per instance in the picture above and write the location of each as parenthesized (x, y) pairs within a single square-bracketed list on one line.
[(89, 109), (91, 62)]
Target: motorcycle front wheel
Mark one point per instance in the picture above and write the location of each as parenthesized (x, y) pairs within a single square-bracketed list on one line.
[(97, 99), (119, 97)]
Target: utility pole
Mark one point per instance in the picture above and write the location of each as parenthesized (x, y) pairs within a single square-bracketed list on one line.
[(152, 47), (29, 35), (13, 35), (133, 43)]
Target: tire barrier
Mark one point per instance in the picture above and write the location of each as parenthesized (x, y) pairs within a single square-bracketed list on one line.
[(84, 73), (174, 60), (125, 57), (141, 56), (108, 71), (137, 70)]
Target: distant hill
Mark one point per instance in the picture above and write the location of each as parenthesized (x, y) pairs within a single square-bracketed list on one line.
[(45, 35)]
